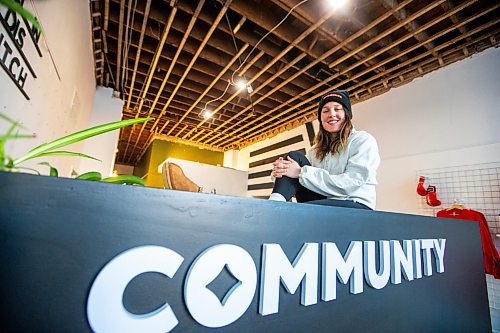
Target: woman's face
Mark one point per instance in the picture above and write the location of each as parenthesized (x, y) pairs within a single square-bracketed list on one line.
[(332, 117)]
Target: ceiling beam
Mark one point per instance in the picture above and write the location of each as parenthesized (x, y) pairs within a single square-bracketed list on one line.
[(285, 51), (327, 54), (193, 60), (411, 26), (156, 58), (381, 63), (390, 30), (324, 32), (139, 48), (172, 64), (120, 34), (219, 58), (215, 80), (304, 118), (400, 67)]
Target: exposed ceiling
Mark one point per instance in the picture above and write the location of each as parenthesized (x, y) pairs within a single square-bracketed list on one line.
[(167, 59)]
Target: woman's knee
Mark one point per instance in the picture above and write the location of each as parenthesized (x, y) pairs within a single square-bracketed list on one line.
[(295, 155), (299, 157)]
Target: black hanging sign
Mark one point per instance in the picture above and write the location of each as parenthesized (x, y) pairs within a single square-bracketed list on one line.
[(80, 256), (13, 37)]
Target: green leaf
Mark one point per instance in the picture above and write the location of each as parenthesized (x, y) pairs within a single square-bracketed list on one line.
[(7, 119), (92, 175), (125, 179), (17, 136), (76, 137), (53, 171), (9, 165), (68, 153), (24, 168), (10, 130), (16, 7)]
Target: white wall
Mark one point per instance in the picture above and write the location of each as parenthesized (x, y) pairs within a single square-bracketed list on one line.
[(106, 109), (450, 117), (61, 104)]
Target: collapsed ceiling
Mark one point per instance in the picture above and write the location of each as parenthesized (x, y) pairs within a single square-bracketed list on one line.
[(180, 61)]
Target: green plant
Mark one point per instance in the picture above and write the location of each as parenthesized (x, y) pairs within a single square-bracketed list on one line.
[(120, 179), (50, 149), (16, 7)]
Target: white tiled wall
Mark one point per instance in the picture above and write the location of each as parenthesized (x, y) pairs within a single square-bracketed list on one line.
[(477, 186)]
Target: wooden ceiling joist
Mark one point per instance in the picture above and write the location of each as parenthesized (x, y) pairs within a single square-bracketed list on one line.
[(172, 64), (279, 56), (377, 76), (160, 59), (216, 79), (138, 54), (119, 54), (408, 62), (324, 56), (346, 70)]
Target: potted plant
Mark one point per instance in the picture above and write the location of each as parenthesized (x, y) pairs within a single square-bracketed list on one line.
[(8, 163)]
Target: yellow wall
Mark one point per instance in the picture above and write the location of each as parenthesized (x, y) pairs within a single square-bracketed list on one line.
[(161, 150)]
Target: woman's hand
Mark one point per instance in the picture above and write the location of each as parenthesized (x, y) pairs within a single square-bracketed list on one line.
[(280, 167), (288, 167), (293, 169)]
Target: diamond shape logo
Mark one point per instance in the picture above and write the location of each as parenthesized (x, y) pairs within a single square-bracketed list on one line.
[(222, 285)]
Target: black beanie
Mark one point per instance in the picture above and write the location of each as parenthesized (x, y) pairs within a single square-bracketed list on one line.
[(339, 96)]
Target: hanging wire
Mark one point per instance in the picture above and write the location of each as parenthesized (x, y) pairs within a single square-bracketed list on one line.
[(45, 40), (125, 52), (109, 70), (130, 39), (218, 98), (232, 36), (264, 37), (231, 81), (125, 43)]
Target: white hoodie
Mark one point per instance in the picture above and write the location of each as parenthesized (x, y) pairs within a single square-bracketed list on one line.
[(350, 175)]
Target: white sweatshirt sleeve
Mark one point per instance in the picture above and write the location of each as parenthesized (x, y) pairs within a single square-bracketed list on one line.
[(362, 162)]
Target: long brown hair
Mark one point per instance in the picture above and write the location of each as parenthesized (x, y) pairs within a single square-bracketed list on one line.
[(326, 142)]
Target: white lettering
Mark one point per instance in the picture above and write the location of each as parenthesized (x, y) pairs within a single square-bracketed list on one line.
[(427, 245), (202, 303), (417, 258), (402, 261), (276, 267), (439, 245), (106, 313), (105, 310), (349, 267), (377, 280)]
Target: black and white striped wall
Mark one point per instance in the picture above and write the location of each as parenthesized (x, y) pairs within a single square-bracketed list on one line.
[(259, 157)]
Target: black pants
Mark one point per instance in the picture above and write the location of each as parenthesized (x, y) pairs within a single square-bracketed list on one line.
[(289, 187)]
